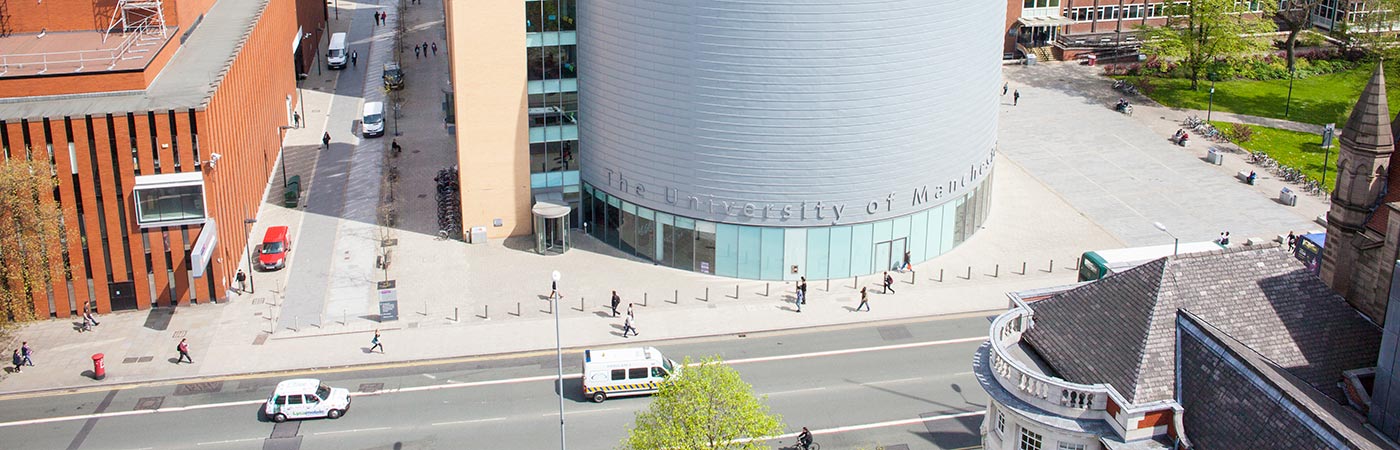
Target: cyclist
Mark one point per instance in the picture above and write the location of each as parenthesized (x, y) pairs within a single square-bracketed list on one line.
[(804, 439)]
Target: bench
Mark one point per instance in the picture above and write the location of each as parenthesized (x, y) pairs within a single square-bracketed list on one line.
[(1243, 175)]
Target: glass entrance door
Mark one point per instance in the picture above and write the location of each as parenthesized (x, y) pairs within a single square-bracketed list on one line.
[(551, 235), (889, 255)]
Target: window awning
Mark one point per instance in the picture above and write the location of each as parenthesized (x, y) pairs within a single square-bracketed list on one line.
[(1044, 21), (550, 205)]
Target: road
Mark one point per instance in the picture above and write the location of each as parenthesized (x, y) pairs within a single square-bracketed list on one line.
[(856, 386)]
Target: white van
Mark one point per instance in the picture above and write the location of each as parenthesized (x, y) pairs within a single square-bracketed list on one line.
[(373, 123), (303, 398), (337, 54), (624, 372)]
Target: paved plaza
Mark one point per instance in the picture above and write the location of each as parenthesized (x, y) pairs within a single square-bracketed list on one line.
[(1071, 175)]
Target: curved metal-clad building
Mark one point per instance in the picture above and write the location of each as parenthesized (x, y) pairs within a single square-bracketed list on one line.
[(801, 137)]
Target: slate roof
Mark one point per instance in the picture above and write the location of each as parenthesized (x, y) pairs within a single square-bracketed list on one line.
[(1120, 330)]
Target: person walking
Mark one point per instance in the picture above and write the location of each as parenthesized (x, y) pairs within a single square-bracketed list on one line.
[(26, 352), (1004, 87), (415, 52), (326, 140), (87, 315), (1016, 98), (554, 291), (907, 266), (864, 301), (87, 321), (18, 361), (629, 310), (184, 349), (801, 293), (889, 284), (425, 48), (615, 301), (296, 119), (434, 49), (242, 279), (1291, 241), (354, 56), (629, 325), (377, 344)]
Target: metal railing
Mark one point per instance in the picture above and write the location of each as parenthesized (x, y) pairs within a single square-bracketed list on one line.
[(104, 58)]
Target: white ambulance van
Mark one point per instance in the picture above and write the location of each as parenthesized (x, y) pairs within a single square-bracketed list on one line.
[(624, 372)]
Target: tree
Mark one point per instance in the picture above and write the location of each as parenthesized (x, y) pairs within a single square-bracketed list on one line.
[(1373, 30), (30, 230), (1199, 32), (1294, 16), (704, 406)]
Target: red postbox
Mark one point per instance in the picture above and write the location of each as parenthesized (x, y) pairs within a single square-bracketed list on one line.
[(99, 370)]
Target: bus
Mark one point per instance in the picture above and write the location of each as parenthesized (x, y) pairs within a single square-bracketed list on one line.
[(1097, 264)]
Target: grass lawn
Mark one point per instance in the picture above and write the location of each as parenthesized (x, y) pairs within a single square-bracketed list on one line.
[(1302, 151), (1321, 99)]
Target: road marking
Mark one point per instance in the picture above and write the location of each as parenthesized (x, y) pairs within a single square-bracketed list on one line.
[(460, 422), (487, 382), (230, 441), (430, 376), (584, 411), (849, 428), (349, 431), (901, 380), (796, 391)]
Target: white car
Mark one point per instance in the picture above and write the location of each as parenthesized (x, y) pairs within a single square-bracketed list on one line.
[(304, 398)]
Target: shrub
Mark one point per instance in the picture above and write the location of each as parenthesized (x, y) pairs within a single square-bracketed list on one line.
[(1239, 133)]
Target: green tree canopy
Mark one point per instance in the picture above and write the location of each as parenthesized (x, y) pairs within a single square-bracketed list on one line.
[(30, 227), (705, 406), (1200, 32)]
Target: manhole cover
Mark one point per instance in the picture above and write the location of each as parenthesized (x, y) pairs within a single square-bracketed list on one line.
[(258, 301), (262, 337), (207, 387), (149, 403), (145, 359), (894, 333), (180, 334), (285, 430), (371, 387), (130, 360)]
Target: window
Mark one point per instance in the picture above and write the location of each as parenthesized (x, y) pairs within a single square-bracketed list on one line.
[(280, 400), (1029, 440), (637, 373), (293, 399), (619, 374), (1001, 423), (1082, 14), (169, 200), (658, 373), (1069, 446)]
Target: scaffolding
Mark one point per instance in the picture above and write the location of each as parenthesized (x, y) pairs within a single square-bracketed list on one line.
[(143, 18)]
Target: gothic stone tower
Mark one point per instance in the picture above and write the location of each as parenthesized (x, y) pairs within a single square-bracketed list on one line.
[(1362, 175)]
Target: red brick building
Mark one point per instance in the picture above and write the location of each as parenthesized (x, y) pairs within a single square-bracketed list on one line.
[(1065, 29), (161, 120)]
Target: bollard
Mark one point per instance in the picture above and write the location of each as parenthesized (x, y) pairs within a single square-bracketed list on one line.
[(581, 308), (969, 272), (1023, 267), (1052, 266), (765, 289), (856, 284), (912, 277), (707, 294), (454, 314), (425, 308), (517, 309), (344, 317), (940, 275), (828, 285), (644, 299), (296, 321), (997, 273), (736, 292), (486, 314), (677, 301)]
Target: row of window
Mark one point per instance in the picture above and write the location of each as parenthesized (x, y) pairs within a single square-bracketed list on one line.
[(777, 253), (1030, 440), (1140, 11), (638, 373)]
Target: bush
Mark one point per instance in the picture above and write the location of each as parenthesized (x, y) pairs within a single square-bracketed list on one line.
[(1239, 133)]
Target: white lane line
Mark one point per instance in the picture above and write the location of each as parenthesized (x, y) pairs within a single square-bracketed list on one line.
[(901, 380), (230, 441), (487, 382), (349, 431), (794, 391), (892, 423), (585, 411), (430, 376), (461, 422)]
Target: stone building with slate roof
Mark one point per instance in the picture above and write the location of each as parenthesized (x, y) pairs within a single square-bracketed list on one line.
[(1231, 349)]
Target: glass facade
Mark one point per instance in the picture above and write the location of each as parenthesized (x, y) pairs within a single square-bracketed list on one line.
[(777, 253), (550, 56)]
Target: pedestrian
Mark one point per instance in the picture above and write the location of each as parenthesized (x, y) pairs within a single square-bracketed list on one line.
[(629, 310), (434, 49), (615, 301), (326, 140), (415, 52), (242, 279), (184, 349), (629, 325), (296, 119), (554, 290), (1225, 240), (17, 361), (889, 284), (26, 352), (383, 17), (87, 320), (377, 344), (87, 315), (1004, 87), (864, 301), (354, 56), (1016, 97), (1291, 241), (907, 266), (801, 293)]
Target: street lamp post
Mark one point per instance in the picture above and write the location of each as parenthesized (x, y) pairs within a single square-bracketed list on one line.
[(1211, 106), (559, 353), (282, 160), (1289, 102), (1176, 243), (248, 246)]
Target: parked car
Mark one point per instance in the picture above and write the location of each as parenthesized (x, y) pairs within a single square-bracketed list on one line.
[(306, 398), (272, 254), (393, 76)]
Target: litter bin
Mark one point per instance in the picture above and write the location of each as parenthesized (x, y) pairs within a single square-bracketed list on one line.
[(1215, 157), (1287, 197), (99, 370), (1030, 59), (1092, 59), (478, 235)]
